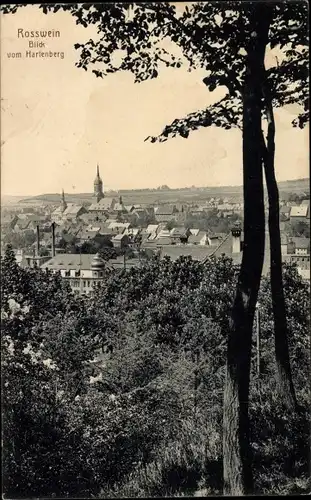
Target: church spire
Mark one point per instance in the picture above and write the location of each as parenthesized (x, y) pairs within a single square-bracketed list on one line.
[(63, 203), (98, 186)]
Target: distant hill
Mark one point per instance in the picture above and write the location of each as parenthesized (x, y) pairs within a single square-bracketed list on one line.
[(144, 196)]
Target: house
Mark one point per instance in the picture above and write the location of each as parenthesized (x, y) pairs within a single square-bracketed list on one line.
[(91, 217), (165, 240), (81, 270), (196, 210), (302, 245), (102, 206), (129, 208), (73, 211), (195, 232), (166, 213), (299, 213), (179, 235), (69, 212), (84, 271), (119, 227), (118, 208), (287, 245), (285, 212), (29, 222), (84, 236), (141, 215), (120, 241), (200, 238)]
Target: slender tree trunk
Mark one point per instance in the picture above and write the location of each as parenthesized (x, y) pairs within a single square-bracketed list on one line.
[(285, 381), (237, 471)]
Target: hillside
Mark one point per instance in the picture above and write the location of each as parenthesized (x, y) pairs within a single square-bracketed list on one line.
[(146, 196)]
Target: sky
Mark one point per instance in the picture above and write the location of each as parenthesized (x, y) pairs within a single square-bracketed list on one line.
[(59, 121)]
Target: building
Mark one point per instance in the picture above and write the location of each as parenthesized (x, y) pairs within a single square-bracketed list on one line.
[(302, 246), (300, 213), (166, 213), (104, 206), (120, 241), (179, 235), (81, 270), (84, 271), (285, 212), (303, 264), (67, 211), (199, 238)]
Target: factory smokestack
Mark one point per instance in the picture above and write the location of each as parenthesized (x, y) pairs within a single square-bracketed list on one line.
[(38, 242), (53, 239)]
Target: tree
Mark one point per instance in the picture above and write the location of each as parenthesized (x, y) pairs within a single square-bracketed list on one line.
[(228, 40), (171, 224), (300, 228)]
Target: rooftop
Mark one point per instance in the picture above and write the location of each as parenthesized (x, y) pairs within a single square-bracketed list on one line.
[(299, 211)]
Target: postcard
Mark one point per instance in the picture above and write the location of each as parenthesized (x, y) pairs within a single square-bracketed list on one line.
[(155, 249)]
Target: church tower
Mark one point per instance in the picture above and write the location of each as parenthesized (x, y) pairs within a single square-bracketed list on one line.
[(98, 187), (63, 204)]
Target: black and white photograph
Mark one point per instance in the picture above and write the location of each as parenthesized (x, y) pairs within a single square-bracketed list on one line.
[(155, 249)]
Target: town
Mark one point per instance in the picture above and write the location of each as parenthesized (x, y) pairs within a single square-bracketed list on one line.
[(80, 240)]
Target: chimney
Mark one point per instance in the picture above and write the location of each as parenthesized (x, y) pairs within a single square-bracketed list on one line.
[(236, 238), (53, 239), (38, 242)]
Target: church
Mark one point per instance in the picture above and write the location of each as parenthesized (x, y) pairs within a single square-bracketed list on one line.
[(100, 204), (67, 211)]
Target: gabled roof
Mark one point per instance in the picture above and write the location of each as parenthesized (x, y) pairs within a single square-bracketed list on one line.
[(178, 232), (129, 207), (152, 228), (196, 238), (103, 204), (73, 209), (69, 261), (194, 231), (299, 211), (165, 210)]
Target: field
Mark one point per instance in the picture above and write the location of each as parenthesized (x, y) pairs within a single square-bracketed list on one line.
[(158, 196)]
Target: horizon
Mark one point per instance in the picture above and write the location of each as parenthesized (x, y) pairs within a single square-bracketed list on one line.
[(157, 188)]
